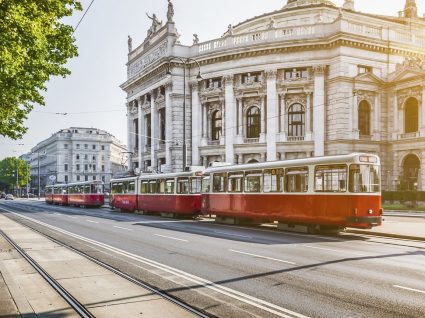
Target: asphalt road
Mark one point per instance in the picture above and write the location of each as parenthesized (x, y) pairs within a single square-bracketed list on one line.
[(231, 271)]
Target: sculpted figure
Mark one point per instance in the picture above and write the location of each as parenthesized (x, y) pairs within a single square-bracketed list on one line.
[(130, 44), (195, 39), (155, 24), (170, 12), (230, 30)]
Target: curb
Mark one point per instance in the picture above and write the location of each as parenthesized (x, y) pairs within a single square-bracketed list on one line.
[(391, 235)]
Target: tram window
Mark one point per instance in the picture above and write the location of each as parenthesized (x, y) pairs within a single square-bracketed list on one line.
[(63, 190), (182, 185), (87, 189), (235, 183), (253, 181), (219, 182), (169, 186), (153, 187), (364, 179), (144, 187), (97, 188), (195, 185), (131, 187), (272, 180), (206, 184), (296, 179), (330, 178), (161, 184)]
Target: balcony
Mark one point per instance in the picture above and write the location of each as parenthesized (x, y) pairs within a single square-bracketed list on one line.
[(365, 137), (410, 135), (251, 140), (296, 138), (213, 142)]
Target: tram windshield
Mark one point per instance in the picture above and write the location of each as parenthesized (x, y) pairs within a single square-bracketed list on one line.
[(364, 179)]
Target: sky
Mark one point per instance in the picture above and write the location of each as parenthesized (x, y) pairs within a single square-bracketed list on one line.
[(100, 67)]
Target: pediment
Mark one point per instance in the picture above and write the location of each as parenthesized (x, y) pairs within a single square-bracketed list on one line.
[(406, 74), (368, 78)]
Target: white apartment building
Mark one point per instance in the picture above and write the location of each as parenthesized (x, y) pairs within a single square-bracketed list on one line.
[(77, 154), (309, 79)]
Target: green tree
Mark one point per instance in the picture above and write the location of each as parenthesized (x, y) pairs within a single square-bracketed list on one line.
[(8, 168), (34, 45)]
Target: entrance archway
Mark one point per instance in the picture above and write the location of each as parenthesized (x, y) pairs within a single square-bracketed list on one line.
[(411, 166)]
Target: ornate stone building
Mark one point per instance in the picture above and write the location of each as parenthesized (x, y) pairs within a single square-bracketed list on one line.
[(310, 79)]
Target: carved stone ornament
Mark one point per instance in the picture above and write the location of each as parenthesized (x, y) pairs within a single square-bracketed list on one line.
[(404, 94), (291, 99), (194, 85), (168, 85), (412, 63), (228, 79), (367, 96), (319, 69), (271, 74), (134, 109), (143, 62), (212, 107), (252, 101)]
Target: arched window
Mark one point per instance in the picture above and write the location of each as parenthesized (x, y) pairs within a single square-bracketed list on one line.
[(411, 116), (296, 120), (253, 161), (216, 124), (364, 118), (253, 122), (411, 166)]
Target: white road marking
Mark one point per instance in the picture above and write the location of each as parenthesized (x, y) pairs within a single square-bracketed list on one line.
[(411, 289), (231, 234), (92, 221), (251, 300), (122, 228), (57, 213), (72, 217), (172, 238), (332, 250), (265, 257)]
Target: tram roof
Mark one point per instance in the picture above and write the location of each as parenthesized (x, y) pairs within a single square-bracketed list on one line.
[(349, 158), (161, 176)]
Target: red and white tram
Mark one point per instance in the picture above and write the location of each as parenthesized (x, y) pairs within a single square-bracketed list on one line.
[(322, 193), (86, 194), (174, 194)]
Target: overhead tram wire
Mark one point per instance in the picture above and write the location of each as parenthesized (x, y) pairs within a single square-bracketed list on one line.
[(82, 18)]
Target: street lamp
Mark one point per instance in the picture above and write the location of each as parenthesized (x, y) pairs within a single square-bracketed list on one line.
[(186, 62)]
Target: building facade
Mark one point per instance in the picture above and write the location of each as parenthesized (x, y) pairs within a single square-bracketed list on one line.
[(77, 154), (310, 79)]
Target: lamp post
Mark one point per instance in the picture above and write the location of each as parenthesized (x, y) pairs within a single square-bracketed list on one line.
[(186, 62)]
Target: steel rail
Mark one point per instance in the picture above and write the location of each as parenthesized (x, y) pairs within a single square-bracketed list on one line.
[(133, 280), (74, 303)]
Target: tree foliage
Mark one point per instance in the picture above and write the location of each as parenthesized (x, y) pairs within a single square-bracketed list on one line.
[(34, 45), (8, 168)]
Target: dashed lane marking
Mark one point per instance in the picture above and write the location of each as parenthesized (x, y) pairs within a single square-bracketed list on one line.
[(264, 257)]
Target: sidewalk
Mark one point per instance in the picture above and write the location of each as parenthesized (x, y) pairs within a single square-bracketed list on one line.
[(397, 227), (24, 293)]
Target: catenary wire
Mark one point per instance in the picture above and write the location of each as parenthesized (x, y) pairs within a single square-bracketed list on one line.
[(82, 18)]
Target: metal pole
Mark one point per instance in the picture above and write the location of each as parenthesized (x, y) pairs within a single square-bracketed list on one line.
[(17, 178), (28, 181), (184, 116), (38, 160)]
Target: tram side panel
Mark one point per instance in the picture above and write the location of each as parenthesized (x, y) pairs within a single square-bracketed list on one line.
[(127, 202), (170, 203)]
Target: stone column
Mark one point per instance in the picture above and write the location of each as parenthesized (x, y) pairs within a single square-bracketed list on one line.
[(141, 133), (422, 114), (239, 138), (129, 137), (376, 117), (421, 185), (356, 133), (272, 117), (395, 116), (308, 133), (168, 124), (283, 118), (196, 123), (229, 118), (319, 110), (263, 119), (154, 132)]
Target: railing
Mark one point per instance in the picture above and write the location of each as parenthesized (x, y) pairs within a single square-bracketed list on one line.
[(213, 142), (409, 135), (365, 137), (296, 138), (251, 140)]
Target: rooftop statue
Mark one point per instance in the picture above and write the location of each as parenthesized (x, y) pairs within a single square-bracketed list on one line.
[(156, 24), (170, 12), (130, 44)]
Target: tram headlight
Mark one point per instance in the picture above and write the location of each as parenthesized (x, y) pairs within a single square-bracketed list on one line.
[(370, 211)]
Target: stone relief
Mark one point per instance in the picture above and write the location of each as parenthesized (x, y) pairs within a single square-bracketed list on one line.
[(404, 94), (412, 62), (249, 102), (145, 61), (291, 99), (368, 96)]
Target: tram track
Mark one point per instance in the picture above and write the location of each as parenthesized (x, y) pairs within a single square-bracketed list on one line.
[(72, 301)]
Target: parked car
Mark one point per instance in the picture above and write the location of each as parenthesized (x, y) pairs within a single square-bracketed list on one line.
[(9, 197), (2, 195)]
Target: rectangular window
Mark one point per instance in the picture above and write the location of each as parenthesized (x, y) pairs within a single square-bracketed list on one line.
[(66, 167), (206, 184), (144, 187), (66, 179), (235, 182), (94, 167), (86, 157), (103, 147), (167, 186), (195, 185), (86, 178), (86, 167), (272, 180), (330, 178), (153, 187), (103, 179), (364, 179), (65, 146), (78, 167), (78, 178), (364, 69), (78, 146), (94, 178), (94, 158), (94, 147), (131, 187), (250, 78), (77, 157), (183, 185), (86, 146), (253, 181), (296, 179), (219, 182), (103, 168), (116, 188)]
